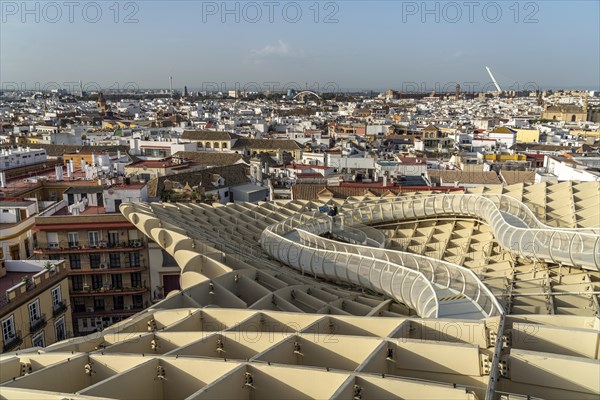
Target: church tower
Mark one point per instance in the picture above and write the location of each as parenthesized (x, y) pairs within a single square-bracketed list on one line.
[(101, 103)]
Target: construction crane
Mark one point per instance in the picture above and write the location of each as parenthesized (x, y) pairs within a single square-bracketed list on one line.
[(489, 71)]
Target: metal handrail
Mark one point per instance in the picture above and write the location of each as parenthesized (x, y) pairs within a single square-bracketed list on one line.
[(274, 243), (496, 210)]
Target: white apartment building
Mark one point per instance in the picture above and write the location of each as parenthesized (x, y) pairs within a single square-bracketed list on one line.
[(21, 156)]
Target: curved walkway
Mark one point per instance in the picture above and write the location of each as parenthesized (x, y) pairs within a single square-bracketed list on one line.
[(433, 288)]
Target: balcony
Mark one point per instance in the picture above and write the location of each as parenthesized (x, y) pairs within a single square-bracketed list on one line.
[(123, 269), (94, 312), (67, 247), (12, 342), (108, 291), (37, 324), (59, 308)]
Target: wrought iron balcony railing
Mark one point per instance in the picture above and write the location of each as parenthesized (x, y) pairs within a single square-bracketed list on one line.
[(37, 324)]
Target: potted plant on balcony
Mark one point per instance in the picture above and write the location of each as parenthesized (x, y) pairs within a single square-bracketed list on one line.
[(26, 281), (50, 267)]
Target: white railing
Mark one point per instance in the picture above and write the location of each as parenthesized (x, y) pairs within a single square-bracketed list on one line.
[(408, 286), (514, 225)]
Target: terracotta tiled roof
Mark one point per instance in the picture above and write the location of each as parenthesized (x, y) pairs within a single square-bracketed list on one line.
[(213, 159), (267, 144), (464, 177), (208, 135), (233, 174), (512, 177), (307, 191), (538, 147), (502, 129)]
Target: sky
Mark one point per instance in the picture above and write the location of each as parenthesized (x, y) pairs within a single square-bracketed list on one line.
[(341, 45)]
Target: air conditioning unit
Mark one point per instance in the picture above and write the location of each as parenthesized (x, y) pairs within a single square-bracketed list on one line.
[(127, 307), (90, 309), (86, 287), (103, 265)]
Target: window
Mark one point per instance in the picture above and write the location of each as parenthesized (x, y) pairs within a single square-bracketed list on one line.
[(75, 261), (137, 301), (118, 303), (34, 311), (78, 304), (52, 195), (98, 303), (95, 260), (93, 238), (56, 296), (134, 259), (8, 329), (136, 279), (116, 281), (27, 248), (59, 329), (14, 252), (52, 239), (38, 341), (113, 238), (96, 281), (77, 282), (224, 145), (115, 260), (73, 239)]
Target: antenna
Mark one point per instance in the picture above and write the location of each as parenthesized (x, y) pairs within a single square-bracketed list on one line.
[(489, 71)]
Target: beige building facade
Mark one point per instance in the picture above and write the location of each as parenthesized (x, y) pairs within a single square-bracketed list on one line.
[(35, 308), (107, 261)]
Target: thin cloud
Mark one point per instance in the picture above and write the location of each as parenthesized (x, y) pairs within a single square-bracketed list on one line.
[(281, 49), (270, 51)]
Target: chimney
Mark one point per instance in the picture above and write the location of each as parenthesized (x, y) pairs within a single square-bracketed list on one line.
[(2, 179), (384, 180), (58, 170)]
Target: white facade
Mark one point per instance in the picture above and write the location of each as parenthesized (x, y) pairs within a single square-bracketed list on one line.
[(156, 150), (568, 171), (12, 213), (508, 139), (19, 157), (123, 194), (350, 163)]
